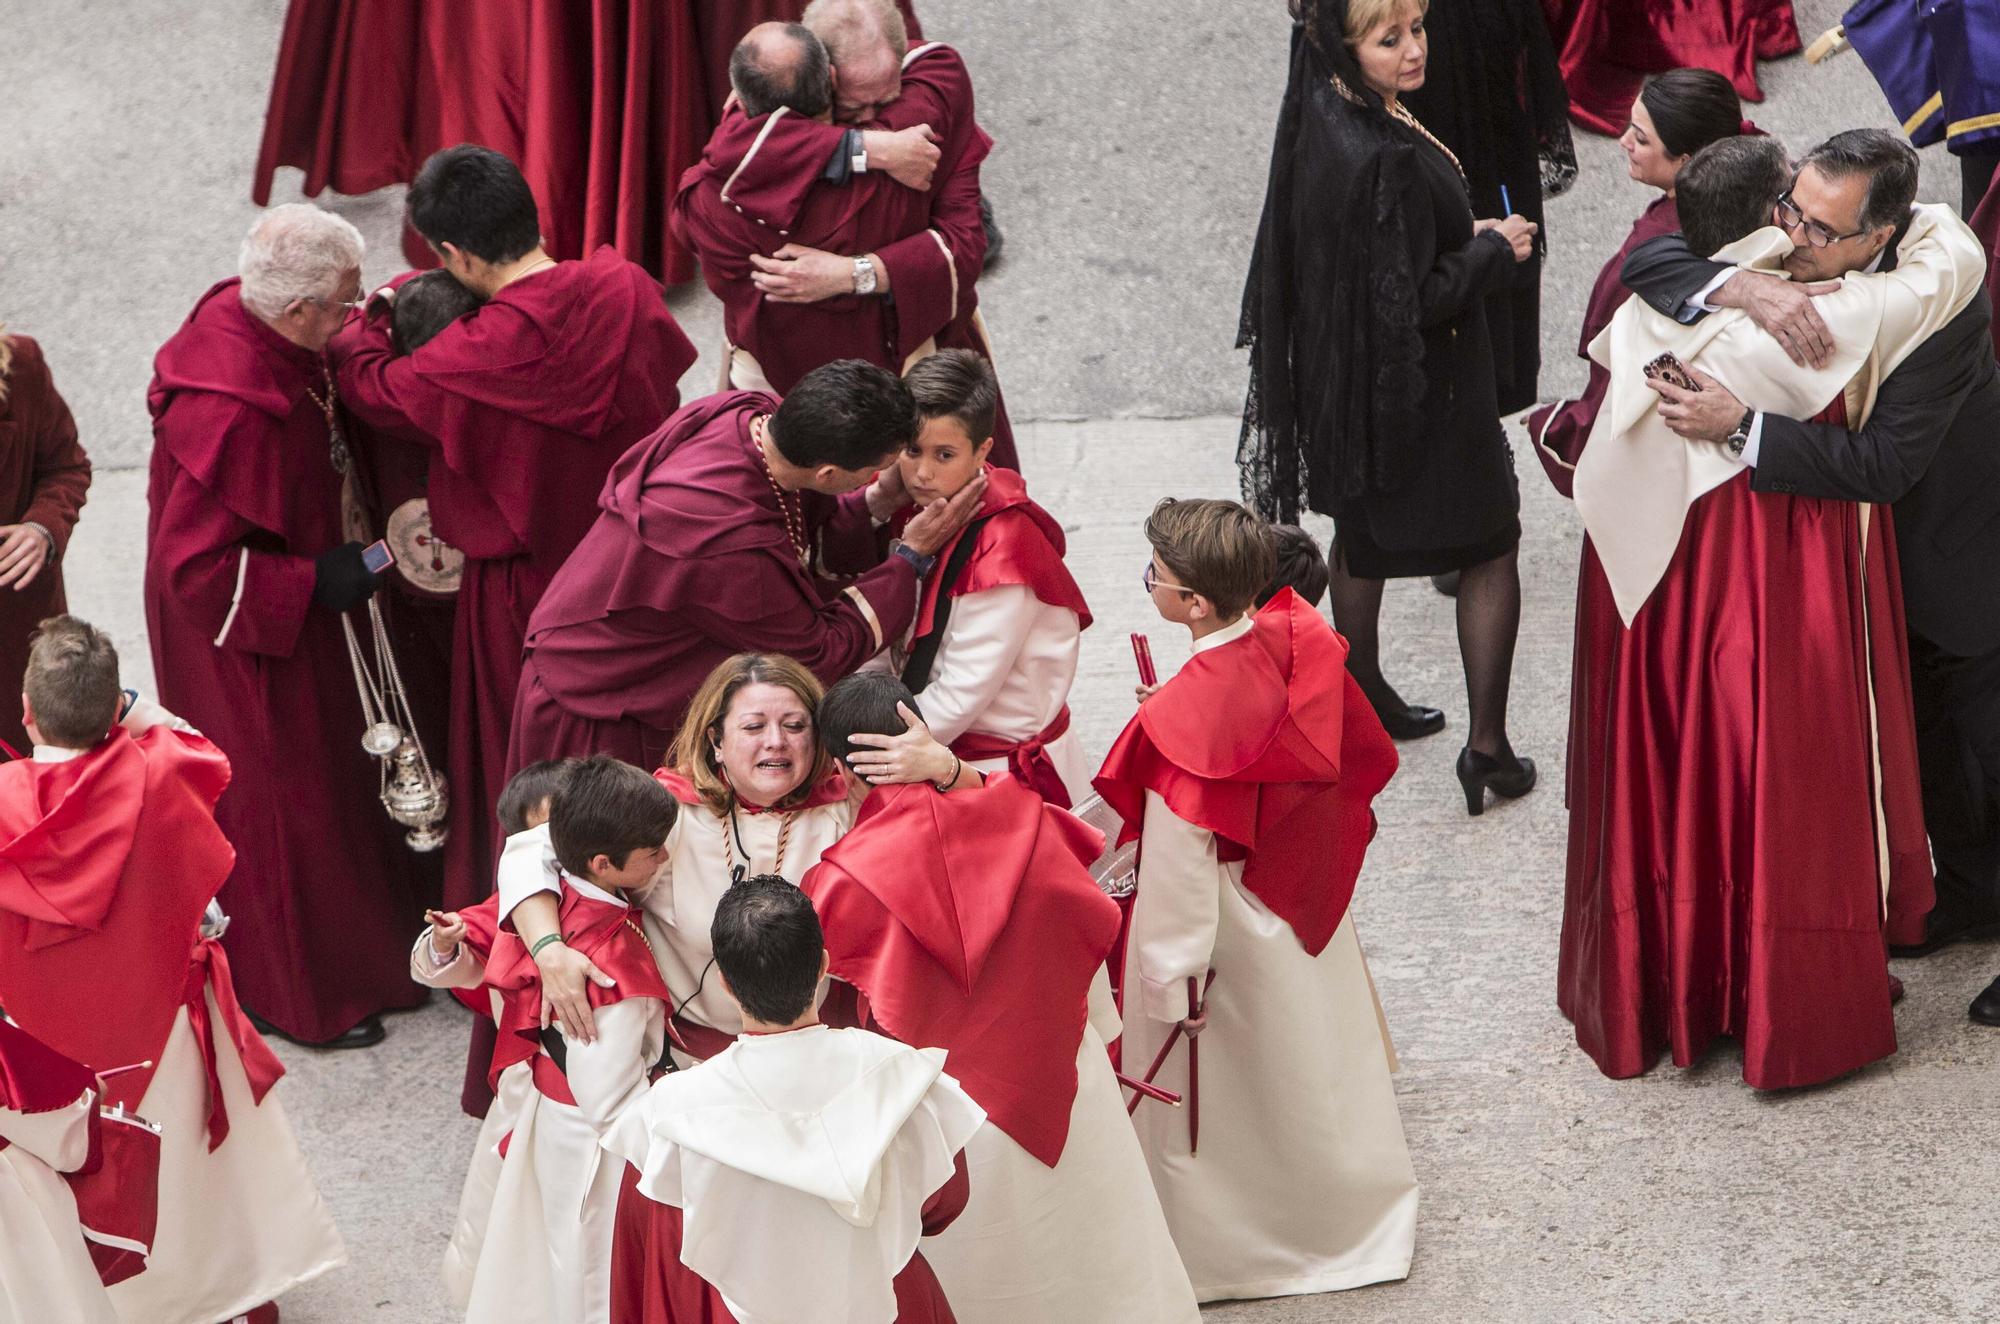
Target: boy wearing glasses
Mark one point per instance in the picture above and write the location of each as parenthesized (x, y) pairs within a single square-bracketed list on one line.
[(1248, 779)]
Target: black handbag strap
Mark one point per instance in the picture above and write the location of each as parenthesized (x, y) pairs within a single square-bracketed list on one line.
[(924, 649)]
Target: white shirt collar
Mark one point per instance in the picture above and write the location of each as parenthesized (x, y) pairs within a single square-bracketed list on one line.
[(590, 891), (57, 754), (1228, 634)]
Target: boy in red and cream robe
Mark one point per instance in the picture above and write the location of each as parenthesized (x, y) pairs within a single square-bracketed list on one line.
[(789, 1177), (970, 922), (1248, 779), (452, 953), (546, 1252), (994, 648), (48, 1126), (113, 856)]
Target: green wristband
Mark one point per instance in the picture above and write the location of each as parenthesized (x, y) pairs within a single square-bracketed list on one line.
[(542, 942)]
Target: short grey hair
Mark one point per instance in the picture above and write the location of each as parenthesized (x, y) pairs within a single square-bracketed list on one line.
[(1888, 161), (846, 24), (297, 251)]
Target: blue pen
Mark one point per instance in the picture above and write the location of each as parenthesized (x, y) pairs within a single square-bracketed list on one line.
[(1506, 207)]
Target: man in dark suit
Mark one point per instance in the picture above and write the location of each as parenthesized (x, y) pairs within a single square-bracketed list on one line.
[(1931, 446)]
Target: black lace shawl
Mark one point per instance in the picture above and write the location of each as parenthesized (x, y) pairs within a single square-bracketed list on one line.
[(1330, 311)]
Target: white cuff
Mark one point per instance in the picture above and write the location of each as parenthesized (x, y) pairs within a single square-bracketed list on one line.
[(1750, 448), (1699, 300)]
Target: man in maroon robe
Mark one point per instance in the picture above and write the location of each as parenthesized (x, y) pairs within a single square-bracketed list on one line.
[(709, 545), (524, 405), (246, 576), (813, 260)]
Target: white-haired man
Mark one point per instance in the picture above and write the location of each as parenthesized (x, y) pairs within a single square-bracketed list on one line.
[(247, 571)]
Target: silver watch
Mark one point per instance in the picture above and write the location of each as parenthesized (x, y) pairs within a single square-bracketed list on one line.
[(864, 276), (1740, 438)]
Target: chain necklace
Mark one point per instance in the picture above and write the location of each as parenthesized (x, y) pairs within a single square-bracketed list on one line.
[(732, 840), (336, 444), (790, 504)]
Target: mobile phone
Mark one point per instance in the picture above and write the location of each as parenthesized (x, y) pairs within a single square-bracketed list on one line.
[(377, 557), (1668, 368)]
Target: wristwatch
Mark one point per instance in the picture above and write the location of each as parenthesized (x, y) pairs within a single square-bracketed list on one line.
[(918, 561), (858, 157), (1740, 438), (864, 276)]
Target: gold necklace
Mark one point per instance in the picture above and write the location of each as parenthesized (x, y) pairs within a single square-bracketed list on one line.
[(790, 504), (336, 444)]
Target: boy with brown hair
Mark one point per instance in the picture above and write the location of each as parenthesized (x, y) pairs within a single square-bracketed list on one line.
[(1247, 778), (112, 858)]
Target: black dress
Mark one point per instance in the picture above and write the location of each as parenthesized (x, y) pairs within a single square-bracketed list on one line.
[(1493, 94), (1462, 506), (1372, 392)]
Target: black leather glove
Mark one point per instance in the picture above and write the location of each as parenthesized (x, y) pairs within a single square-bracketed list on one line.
[(341, 579)]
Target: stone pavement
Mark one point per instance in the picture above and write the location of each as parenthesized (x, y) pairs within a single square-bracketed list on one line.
[(1133, 137)]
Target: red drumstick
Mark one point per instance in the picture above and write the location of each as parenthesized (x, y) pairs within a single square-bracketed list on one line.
[(1142, 653), (1147, 1091)]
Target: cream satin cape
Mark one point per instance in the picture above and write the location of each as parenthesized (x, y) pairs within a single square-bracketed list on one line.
[(1637, 478)]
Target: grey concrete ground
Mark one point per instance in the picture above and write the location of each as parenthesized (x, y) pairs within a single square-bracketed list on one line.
[(1133, 139)]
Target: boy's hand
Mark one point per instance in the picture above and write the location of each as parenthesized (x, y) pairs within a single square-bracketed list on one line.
[(447, 932), (1194, 1025), (565, 996), (1144, 691)]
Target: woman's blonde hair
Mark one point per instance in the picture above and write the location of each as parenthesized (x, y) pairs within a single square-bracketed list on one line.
[(693, 755), (6, 360), (1364, 15)]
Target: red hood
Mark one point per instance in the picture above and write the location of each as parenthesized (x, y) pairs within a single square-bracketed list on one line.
[(1017, 542), (536, 349), (766, 175), (706, 505), (223, 348)]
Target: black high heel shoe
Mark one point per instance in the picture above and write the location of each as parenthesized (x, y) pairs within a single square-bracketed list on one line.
[(1411, 721), (1478, 773)]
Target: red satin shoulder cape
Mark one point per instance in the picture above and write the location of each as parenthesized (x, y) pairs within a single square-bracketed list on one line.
[(971, 923), (1017, 543), (109, 861), (1722, 875), (1268, 743)]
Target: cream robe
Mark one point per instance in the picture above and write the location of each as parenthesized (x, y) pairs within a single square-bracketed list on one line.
[(680, 903), (802, 1162), (1302, 1182), (1637, 478), (45, 1269), (239, 1226), (1084, 1240), (1004, 668)]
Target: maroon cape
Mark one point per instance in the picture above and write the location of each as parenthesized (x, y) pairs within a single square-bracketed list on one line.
[(1286, 783), (108, 861), (1607, 47), (603, 103), (525, 403), (650, 1285), (1986, 224), (43, 477), (1722, 873), (759, 187), (688, 564), (970, 922), (242, 498), (1560, 430)]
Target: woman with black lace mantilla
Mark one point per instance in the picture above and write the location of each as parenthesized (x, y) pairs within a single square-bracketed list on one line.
[(1372, 393)]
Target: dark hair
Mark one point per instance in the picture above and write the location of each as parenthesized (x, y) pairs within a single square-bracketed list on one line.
[(426, 305), (475, 199), (529, 787), (1692, 108), (607, 807), (957, 383), (71, 682), (862, 704), (1301, 565), (1215, 548), (1889, 162), (788, 69), (767, 943), (848, 413), (1728, 190)]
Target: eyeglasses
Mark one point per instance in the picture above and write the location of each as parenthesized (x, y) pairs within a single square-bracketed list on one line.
[(1791, 218), (350, 304), (1151, 579)]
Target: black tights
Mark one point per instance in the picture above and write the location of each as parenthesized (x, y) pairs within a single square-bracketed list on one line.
[(1489, 617)]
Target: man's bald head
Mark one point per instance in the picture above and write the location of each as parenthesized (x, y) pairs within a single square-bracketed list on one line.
[(781, 65), (867, 40)]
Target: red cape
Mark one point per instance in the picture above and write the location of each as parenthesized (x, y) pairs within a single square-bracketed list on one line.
[(605, 932), (109, 861), (1286, 782), (971, 923), (1018, 543)]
